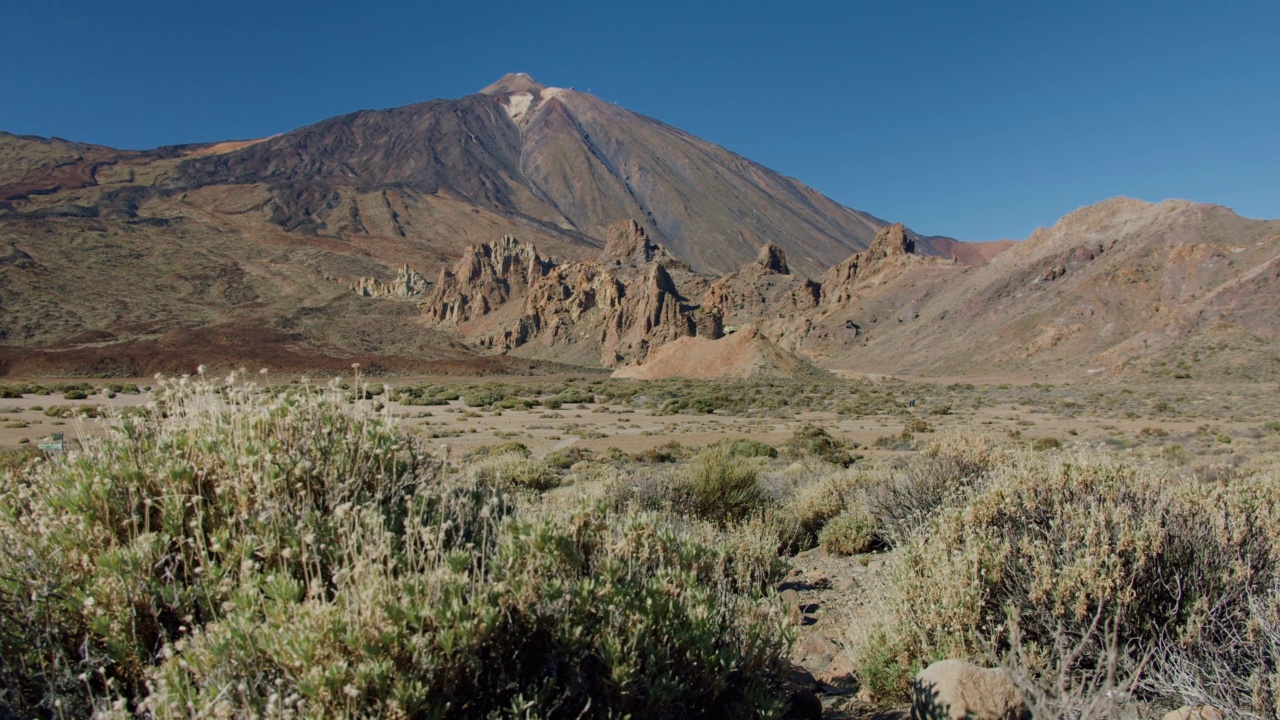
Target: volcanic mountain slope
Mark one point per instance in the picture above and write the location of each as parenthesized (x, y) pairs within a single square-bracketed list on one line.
[(557, 159), (105, 248)]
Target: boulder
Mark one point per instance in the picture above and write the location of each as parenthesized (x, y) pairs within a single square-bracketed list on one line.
[(840, 673), (802, 700), (960, 690)]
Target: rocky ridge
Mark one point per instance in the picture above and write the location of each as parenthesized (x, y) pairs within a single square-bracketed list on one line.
[(635, 297), (616, 307), (1118, 287)]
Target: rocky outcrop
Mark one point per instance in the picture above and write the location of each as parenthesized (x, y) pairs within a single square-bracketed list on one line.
[(762, 289), (890, 252), (773, 259), (407, 283), (484, 278), (615, 308), (629, 243), (960, 690)]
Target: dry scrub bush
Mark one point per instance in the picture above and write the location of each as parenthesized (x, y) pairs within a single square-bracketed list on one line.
[(806, 509), (903, 499), (716, 486), (515, 471), (1056, 539), (721, 486), (851, 532), (1231, 661), (233, 554), (815, 441)]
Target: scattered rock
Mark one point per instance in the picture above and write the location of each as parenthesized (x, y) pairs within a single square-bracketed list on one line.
[(408, 283), (960, 690), (840, 673), (803, 702), (816, 652), (791, 599)]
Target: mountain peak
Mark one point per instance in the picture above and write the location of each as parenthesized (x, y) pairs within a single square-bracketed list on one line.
[(513, 83)]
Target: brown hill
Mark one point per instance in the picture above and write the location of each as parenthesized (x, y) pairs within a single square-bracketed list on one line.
[(743, 354), (1124, 285)]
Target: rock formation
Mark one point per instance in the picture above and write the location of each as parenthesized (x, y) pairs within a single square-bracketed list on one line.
[(408, 283), (484, 278), (607, 311), (762, 289), (890, 251)]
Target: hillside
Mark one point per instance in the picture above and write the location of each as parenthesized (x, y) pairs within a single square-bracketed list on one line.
[(119, 261), (1125, 286), (1121, 286)]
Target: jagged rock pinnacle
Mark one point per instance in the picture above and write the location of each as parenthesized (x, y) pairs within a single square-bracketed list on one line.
[(773, 259)]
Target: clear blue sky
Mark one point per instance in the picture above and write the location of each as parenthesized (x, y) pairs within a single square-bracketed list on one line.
[(976, 120)]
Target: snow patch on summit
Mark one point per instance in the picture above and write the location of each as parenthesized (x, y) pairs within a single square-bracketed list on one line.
[(518, 104)]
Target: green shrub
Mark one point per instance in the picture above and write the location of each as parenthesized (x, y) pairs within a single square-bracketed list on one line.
[(68, 411), (903, 499), (177, 512), (1177, 454), (815, 441), (75, 395), (748, 448), (721, 487), (568, 457), (1057, 541), (916, 425), (1046, 443), (667, 452), (16, 459), (507, 448), (290, 556), (514, 470), (575, 395), (801, 518), (850, 533)]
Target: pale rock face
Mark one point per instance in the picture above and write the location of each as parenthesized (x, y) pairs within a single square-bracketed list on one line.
[(408, 283), (625, 303), (890, 252), (960, 690), (518, 104)]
